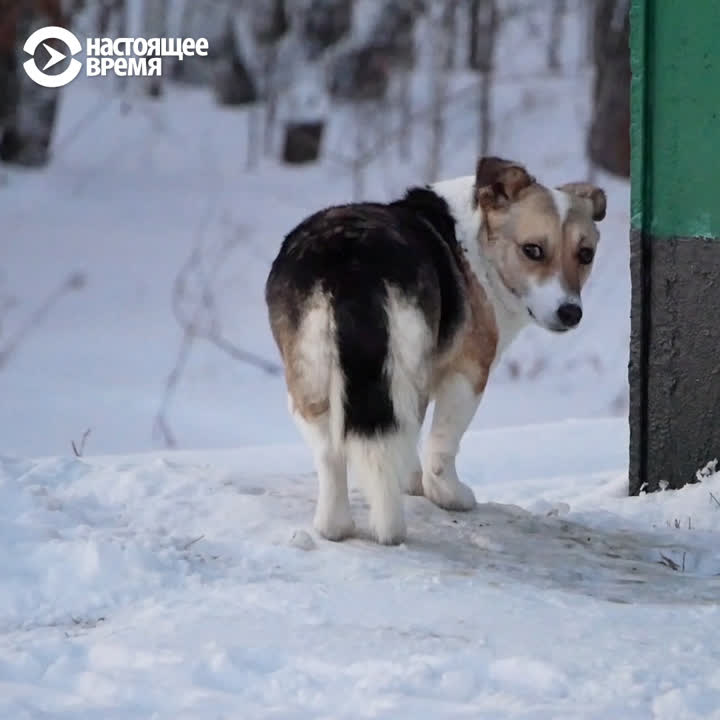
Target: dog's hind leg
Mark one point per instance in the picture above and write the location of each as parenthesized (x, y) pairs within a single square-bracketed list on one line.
[(333, 519), (455, 405)]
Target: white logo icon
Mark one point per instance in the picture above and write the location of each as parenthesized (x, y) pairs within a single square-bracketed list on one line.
[(52, 32)]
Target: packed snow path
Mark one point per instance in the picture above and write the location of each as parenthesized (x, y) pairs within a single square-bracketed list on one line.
[(191, 585)]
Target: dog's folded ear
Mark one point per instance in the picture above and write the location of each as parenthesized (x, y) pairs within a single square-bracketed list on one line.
[(592, 193), (498, 182)]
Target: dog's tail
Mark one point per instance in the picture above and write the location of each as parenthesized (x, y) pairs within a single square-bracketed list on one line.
[(362, 337), (383, 348)]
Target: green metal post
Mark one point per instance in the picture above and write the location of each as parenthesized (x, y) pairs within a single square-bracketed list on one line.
[(675, 250)]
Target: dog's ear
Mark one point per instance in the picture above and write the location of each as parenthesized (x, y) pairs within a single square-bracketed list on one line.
[(592, 193), (498, 182)]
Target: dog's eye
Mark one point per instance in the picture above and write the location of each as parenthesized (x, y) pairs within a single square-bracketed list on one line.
[(586, 255), (533, 251)]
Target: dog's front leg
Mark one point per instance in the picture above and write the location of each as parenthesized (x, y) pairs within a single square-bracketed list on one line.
[(455, 405)]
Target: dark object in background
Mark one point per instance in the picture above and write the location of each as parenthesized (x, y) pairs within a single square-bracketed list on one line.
[(484, 23), (609, 138), (269, 21), (27, 110), (325, 23), (233, 83), (303, 141), (361, 74), (394, 32)]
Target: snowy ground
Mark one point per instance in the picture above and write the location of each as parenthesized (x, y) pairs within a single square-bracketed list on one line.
[(188, 585)]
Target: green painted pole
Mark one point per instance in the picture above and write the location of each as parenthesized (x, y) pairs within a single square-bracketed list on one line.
[(675, 251)]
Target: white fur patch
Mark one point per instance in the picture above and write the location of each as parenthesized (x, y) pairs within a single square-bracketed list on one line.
[(455, 405), (333, 519), (409, 359), (562, 203), (510, 313), (458, 193), (380, 464), (544, 299)]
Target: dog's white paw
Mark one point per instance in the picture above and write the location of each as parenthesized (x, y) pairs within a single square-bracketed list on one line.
[(388, 524), (389, 535), (414, 483), (448, 493), (334, 526)]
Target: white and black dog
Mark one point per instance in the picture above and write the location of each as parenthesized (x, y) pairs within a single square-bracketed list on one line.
[(379, 308)]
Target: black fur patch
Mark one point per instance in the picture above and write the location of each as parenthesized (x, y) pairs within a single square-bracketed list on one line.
[(353, 252)]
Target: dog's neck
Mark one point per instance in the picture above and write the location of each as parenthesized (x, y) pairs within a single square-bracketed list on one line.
[(510, 314)]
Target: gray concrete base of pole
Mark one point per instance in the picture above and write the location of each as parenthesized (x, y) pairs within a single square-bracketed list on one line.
[(674, 359)]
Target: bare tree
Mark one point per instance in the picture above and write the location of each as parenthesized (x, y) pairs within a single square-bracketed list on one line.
[(195, 306), (484, 24), (558, 9), (449, 29), (269, 23), (483, 27), (202, 19), (154, 25), (441, 42), (609, 137), (110, 12), (234, 82)]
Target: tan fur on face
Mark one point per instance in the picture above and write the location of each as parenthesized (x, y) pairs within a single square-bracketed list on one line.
[(534, 218)]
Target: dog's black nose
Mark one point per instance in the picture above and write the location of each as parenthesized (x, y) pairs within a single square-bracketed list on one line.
[(569, 314)]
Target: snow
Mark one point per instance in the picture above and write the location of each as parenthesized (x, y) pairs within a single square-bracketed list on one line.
[(190, 584)]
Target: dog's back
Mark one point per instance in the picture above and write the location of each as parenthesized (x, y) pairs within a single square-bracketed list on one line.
[(361, 280)]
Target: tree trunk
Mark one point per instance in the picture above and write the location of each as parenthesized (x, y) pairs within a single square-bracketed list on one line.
[(234, 83), (557, 16), (439, 81), (483, 27), (27, 110), (154, 25), (201, 19), (484, 23), (449, 28), (609, 137)]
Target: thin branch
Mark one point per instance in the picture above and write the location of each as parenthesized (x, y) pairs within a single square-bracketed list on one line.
[(74, 282), (192, 542), (80, 451), (202, 322), (669, 562)]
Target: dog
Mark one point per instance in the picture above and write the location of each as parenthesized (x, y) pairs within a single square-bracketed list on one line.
[(377, 309)]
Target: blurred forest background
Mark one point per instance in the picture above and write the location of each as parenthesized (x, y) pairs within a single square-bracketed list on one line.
[(318, 53), (138, 216)]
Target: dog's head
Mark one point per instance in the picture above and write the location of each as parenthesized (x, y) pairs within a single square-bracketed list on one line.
[(541, 241)]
